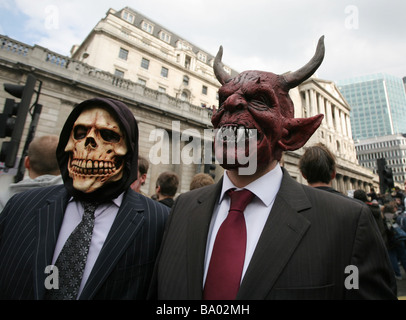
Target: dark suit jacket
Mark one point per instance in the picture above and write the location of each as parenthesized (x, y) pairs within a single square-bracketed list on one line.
[(29, 228), (309, 239)]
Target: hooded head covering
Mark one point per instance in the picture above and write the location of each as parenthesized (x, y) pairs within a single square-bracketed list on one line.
[(128, 125)]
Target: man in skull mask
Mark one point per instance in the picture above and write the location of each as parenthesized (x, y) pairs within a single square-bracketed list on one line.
[(292, 241), (97, 155)]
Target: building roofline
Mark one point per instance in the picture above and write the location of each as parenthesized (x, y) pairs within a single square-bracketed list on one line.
[(139, 17)]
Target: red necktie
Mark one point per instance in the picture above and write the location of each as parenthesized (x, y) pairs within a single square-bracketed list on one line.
[(227, 259)]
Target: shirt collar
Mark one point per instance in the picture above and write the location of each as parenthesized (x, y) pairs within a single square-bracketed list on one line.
[(265, 188), (117, 201)]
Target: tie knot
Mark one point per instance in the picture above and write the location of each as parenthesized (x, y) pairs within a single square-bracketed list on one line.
[(89, 207), (240, 199)]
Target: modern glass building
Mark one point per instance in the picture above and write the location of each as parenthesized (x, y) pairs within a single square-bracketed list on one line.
[(378, 105)]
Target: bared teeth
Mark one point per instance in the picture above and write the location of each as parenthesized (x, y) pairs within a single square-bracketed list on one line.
[(235, 134), (92, 167)]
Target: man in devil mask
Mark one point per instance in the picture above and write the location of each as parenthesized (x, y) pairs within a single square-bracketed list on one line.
[(291, 241), (93, 237)]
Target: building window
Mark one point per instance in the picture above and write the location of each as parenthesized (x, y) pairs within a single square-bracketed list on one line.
[(184, 45), (145, 63), (185, 80), (142, 82), (204, 90), (164, 72), (164, 36), (162, 90), (202, 57), (123, 54), (188, 61), (119, 73), (128, 16), (147, 27), (184, 96)]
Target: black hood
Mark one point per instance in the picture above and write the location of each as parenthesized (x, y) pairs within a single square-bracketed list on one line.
[(128, 125)]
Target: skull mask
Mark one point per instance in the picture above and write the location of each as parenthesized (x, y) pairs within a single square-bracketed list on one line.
[(97, 147)]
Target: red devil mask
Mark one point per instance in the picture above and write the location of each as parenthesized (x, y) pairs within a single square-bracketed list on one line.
[(255, 105)]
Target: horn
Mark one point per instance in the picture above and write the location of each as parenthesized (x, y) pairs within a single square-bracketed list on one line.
[(293, 79), (218, 67)]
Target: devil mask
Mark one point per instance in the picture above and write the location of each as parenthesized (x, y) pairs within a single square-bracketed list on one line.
[(98, 150), (256, 105)]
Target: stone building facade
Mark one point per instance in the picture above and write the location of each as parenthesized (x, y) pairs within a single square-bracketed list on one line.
[(169, 123), (147, 53)]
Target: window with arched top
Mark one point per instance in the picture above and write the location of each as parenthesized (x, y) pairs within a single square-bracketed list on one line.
[(184, 96), (185, 80)]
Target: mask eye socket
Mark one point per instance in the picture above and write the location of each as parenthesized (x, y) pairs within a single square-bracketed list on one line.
[(79, 132), (110, 136)]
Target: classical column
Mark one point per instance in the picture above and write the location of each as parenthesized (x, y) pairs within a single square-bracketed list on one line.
[(307, 104), (329, 115), (313, 103), (322, 108), (337, 119), (343, 123), (348, 121)]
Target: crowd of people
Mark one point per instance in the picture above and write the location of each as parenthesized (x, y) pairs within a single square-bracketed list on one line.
[(389, 213)]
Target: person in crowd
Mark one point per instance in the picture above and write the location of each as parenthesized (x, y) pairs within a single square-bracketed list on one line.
[(404, 196), (258, 233), (372, 194), (399, 202), (396, 247), (41, 165), (143, 166), (166, 187), (200, 180), (397, 193), (376, 212), (318, 166), (92, 237)]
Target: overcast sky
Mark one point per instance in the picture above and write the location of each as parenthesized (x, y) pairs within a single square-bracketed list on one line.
[(361, 36)]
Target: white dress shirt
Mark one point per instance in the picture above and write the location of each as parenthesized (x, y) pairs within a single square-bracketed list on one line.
[(256, 213), (104, 218)]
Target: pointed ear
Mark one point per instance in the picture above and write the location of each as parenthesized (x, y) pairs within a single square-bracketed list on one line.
[(297, 131)]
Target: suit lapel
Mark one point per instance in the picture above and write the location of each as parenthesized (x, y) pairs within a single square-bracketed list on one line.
[(197, 232), (281, 235), (128, 222), (49, 220)]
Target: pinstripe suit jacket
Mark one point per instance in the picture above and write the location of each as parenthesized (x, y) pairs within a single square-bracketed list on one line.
[(309, 239), (29, 228)]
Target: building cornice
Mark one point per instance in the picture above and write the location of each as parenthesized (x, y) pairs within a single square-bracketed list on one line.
[(41, 61)]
